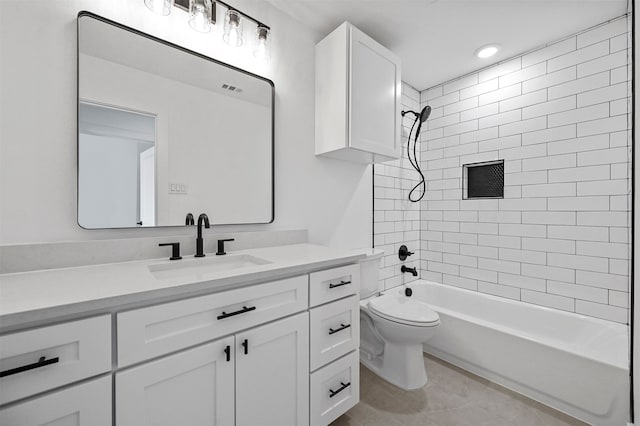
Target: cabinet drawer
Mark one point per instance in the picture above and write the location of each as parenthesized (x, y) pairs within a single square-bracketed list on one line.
[(88, 404), (335, 330), (149, 332), (335, 389), (332, 284), (71, 351)]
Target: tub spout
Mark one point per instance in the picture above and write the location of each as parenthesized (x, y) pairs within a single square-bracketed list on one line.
[(413, 271)]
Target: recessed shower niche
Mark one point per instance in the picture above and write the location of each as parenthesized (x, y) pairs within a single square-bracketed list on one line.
[(483, 180), (164, 131)]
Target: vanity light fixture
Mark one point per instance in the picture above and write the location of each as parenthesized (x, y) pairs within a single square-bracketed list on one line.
[(232, 28), (202, 17), (487, 51)]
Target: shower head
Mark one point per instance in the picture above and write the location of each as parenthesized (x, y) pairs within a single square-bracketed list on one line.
[(423, 115)]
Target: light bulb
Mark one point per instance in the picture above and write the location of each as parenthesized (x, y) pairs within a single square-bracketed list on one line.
[(263, 43), (200, 15), (261, 50), (161, 7), (232, 28)]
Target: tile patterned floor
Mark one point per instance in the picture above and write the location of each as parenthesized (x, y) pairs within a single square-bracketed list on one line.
[(452, 397)]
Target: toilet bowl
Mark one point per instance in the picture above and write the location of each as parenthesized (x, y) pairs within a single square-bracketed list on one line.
[(393, 328)]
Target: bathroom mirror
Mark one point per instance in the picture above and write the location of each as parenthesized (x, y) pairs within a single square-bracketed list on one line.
[(164, 131)]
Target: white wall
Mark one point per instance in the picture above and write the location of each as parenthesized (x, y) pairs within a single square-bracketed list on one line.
[(38, 129), (559, 118)]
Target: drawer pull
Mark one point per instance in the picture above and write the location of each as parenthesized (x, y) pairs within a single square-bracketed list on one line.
[(333, 393), (227, 351), (342, 327), (339, 285), (245, 345), (231, 314), (41, 363)]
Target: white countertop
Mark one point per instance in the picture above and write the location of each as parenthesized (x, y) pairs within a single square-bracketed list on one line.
[(35, 298)]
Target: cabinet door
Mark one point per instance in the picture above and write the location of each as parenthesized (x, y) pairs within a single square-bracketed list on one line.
[(88, 404), (375, 97), (193, 387), (272, 374)]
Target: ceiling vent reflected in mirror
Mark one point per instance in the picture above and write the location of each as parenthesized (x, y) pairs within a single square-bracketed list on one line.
[(232, 88)]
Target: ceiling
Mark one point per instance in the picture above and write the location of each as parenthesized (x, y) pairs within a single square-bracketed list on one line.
[(436, 39)]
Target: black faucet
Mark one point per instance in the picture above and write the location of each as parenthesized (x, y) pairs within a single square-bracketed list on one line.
[(188, 221), (199, 241), (413, 271)]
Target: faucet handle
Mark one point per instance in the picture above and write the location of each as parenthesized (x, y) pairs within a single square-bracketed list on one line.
[(404, 252), (175, 250), (221, 251)]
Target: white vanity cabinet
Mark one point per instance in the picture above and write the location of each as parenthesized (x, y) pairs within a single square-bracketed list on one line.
[(358, 91), (278, 353), (263, 371)]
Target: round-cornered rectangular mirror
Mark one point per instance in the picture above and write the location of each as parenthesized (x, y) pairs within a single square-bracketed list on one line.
[(164, 131)]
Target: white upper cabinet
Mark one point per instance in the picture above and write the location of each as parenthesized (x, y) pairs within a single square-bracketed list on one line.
[(358, 92)]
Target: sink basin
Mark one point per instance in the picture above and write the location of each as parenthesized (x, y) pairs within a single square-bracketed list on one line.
[(204, 267)]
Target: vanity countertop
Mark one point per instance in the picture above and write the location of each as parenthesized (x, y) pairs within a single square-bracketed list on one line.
[(38, 297)]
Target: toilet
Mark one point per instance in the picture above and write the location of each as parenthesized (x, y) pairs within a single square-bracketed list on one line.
[(393, 328)]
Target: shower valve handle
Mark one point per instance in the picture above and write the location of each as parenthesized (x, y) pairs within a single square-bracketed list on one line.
[(404, 252)]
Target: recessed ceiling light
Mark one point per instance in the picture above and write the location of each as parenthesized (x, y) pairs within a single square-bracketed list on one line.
[(487, 51)]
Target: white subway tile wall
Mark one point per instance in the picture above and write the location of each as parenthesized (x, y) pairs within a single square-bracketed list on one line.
[(396, 219), (560, 119)]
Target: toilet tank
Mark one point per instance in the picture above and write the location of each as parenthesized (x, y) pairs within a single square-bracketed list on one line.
[(370, 272)]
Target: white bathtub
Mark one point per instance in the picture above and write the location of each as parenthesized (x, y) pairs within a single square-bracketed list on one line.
[(574, 363)]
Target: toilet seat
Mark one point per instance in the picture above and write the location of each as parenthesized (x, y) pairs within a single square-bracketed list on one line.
[(404, 310)]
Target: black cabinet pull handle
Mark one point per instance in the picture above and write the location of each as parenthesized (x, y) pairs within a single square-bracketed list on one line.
[(40, 363), (339, 285), (227, 351), (342, 327), (333, 393), (245, 345), (231, 314)]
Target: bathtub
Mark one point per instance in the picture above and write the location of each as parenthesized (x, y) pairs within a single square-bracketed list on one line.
[(574, 363)]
